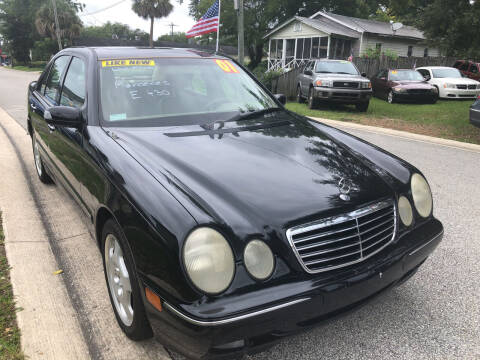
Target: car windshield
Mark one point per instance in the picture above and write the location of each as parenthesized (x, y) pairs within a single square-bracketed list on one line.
[(336, 67), (405, 75), (446, 73), (161, 91)]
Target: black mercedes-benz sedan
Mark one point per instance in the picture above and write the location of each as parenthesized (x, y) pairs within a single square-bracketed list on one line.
[(475, 113), (225, 221)]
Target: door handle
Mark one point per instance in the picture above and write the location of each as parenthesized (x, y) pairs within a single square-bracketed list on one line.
[(32, 105), (51, 127)]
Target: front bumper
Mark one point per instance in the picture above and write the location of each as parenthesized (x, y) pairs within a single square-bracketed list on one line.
[(459, 93), (344, 96), (317, 298), (475, 117), (412, 97)]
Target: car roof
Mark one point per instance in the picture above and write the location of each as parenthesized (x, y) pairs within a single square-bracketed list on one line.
[(119, 52), (436, 67)]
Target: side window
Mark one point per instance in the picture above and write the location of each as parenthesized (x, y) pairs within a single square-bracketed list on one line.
[(73, 92), (457, 64), (43, 82), (53, 81), (474, 69), (423, 72), (464, 66)]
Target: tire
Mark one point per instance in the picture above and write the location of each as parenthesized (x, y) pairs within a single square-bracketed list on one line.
[(39, 166), (312, 102), (362, 107), (300, 98), (122, 283), (391, 97)]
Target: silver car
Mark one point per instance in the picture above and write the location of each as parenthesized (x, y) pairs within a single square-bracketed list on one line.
[(333, 81)]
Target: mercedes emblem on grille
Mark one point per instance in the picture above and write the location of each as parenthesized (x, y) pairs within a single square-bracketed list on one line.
[(345, 186)]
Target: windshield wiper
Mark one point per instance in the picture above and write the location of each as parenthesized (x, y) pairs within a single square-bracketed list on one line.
[(253, 113)]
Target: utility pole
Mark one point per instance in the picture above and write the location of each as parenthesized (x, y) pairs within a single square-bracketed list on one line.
[(171, 25), (241, 31), (57, 26)]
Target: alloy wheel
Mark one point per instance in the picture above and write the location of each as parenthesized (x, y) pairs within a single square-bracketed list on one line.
[(38, 159), (118, 279), (390, 97)]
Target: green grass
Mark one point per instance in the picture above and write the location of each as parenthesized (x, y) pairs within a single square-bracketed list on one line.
[(9, 332), (445, 119), (26, 68)]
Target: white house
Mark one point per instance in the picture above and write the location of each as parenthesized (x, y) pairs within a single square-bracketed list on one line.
[(327, 35)]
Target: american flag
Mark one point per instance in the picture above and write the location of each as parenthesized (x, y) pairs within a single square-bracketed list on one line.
[(208, 23)]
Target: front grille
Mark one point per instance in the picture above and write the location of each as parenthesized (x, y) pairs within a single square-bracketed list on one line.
[(419, 91), (462, 87), (472, 87), (344, 240), (346, 84)]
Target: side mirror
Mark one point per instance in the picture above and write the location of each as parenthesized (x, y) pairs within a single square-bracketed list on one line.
[(364, 74), (281, 98), (427, 78), (308, 72), (32, 86), (64, 116)]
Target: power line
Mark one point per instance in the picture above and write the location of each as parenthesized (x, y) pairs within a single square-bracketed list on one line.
[(171, 25), (105, 8)]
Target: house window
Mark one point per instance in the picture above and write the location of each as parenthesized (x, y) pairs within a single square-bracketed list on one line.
[(323, 47), (425, 52), (410, 51), (307, 48), (300, 48), (290, 49), (378, 47), (297, 27), (315, 47)]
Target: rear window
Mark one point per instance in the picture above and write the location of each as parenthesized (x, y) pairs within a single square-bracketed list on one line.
[(156, 89), (336, 67)]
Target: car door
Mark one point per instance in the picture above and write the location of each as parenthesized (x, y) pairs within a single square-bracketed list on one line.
[(306, 78), (44, 97), (383, 87), (66, 144), (377, 82)]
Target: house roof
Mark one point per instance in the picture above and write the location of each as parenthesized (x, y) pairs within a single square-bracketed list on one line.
[(371, 26), (351, 27), (325, 25)]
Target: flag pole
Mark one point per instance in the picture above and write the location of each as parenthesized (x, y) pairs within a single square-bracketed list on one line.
[(218, 28)]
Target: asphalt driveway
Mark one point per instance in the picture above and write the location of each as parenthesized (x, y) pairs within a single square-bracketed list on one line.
[(435, 315)]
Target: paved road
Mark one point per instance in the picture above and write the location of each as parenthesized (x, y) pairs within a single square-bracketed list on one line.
[(436, 315), (13, 92)]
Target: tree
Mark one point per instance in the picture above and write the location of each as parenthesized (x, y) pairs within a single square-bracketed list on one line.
[(179, 37), (151, 9), (113, 31), (263, 16), (69, 23)]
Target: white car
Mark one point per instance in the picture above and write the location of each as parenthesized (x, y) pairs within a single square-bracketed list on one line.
[(450, 82)]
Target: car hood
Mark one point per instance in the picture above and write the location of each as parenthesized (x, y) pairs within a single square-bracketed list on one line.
[(273, 170), (412, 84), (457, 81)]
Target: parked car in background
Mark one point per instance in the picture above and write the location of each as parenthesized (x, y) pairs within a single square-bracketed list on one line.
[(475, 113), (403, 85), (450, 82), (333, 81), (468, 68)]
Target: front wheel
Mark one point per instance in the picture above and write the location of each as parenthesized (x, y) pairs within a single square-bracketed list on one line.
[(312, 102), (41, 172), (123, 285), (391, 97), (362, 107), (300, 98)]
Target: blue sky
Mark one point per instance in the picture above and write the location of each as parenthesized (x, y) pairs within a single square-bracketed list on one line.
[(123, 13)]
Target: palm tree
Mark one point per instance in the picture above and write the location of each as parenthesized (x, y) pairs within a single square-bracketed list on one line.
[(151, 9), (70, 23)]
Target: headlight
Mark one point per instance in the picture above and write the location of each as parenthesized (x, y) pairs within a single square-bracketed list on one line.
[(399, 89), (366, 85), (323, 83), (405, 210), (208, 259), (258, 259), (422, 195), (449, 86)]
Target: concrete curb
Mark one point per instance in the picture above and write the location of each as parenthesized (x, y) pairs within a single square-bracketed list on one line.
[(400, 134)]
